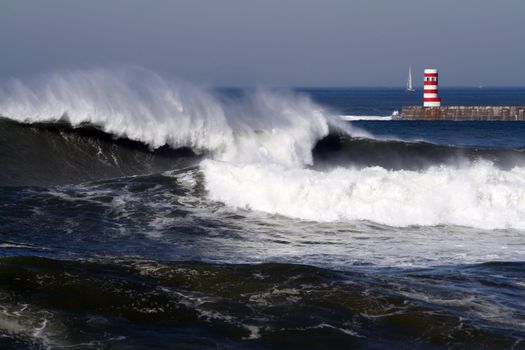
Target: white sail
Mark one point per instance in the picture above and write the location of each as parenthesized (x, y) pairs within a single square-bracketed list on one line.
[(409, 80)]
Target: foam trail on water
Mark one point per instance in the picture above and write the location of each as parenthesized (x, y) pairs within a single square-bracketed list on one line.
[(365, 117), (137, 104), (478, 195)]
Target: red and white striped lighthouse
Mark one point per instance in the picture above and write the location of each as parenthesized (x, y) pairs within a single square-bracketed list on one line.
[(430, 92)]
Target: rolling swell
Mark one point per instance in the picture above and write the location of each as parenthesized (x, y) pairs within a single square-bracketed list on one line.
[(53, 153), (57, 153), (136, 303), (344, 150)]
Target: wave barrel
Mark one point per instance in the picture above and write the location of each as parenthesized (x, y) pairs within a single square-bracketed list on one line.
[(430, 89)]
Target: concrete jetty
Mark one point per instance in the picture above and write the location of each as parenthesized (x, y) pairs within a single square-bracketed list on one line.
[(459, 113)]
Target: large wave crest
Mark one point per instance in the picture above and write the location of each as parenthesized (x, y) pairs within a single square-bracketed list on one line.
[(137, 104), (259, 145)]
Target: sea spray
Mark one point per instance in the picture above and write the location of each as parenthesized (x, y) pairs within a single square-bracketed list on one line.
[(139, 105), (259, 146), (131, 103), (155, 260)]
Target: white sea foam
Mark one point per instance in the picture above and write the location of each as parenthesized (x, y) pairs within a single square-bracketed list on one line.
[(365, 117), (264, 126), (478, 195), (259, 146)]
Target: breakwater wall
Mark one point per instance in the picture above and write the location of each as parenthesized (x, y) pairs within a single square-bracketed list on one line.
[(462, 113)]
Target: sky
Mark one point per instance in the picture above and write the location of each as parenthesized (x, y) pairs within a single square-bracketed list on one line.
[(271, 42)]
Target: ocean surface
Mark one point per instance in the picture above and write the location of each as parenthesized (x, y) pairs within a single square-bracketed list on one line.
[(138, 212)]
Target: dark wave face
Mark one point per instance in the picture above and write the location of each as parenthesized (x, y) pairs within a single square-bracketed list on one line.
[(140, 213), (56, 153), (343, 150), (122, 303)]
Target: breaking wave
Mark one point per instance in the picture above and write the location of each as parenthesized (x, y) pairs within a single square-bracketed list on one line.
[(139, 105), (271, 151)]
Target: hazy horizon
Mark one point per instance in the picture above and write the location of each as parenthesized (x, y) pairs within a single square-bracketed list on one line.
[(234, 43)]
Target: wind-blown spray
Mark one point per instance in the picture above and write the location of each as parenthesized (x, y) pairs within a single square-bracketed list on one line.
[(140, 105)]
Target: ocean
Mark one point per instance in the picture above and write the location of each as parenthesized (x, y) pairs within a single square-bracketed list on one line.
[(137, 212)]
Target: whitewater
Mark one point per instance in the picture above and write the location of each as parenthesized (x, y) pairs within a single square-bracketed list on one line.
[(259, 151), (477, 195), (140, 211)]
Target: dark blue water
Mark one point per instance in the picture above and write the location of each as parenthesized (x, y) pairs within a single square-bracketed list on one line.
[(485, 134), (384, 101), (107, 243)]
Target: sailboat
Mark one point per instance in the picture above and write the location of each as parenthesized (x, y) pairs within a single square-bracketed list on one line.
[(409, 80)]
